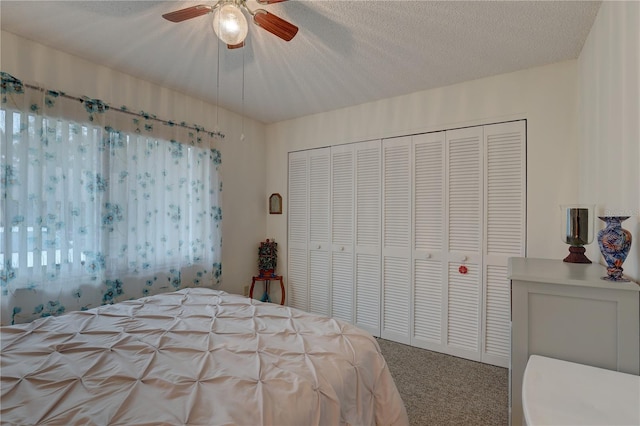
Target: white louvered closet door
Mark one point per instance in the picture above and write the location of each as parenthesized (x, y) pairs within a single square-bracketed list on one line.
[(298, 253), (367, 236), (429, 287), (464, 228), (505, 210), (396, 239), (319, 222), (342, 218)]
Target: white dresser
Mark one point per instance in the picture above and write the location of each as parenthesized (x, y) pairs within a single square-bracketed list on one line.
[(565, 311)]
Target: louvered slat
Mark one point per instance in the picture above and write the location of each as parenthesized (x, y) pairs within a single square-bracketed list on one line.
[(319, 282), (342, 286), (463, 321), (465, 191), (297, 262), (297, 295), (396, 288), (504, 231), (367, 269), (396, 240), (342, 213), (298, 199), (427, 300), (505, 197), (342, 197), (429, 192), (367, 236), (497, 318), (368, 196), (319, 195), (397, 193), (319, 208)]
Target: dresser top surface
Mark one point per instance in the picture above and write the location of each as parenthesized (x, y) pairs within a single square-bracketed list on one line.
[(559, 272)]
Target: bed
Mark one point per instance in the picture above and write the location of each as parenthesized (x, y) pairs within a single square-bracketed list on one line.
[(196, 356)]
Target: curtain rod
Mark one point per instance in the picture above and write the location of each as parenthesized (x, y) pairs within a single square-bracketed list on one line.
[(12, 79), (126, 111)]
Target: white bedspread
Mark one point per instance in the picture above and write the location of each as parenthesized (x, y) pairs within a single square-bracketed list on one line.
[(199, 357)]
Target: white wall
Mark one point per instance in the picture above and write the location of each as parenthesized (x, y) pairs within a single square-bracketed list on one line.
[(546, 96), (609, 121), (243, 166)]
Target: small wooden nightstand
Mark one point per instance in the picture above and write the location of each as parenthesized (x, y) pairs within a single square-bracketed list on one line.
[(267, 281)]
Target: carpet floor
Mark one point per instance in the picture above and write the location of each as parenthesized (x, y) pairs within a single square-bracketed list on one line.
[(439, 389)]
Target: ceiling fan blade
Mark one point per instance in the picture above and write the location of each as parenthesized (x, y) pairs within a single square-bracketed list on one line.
[(275, 25), (270, 1), (235, 46), (188, 13)]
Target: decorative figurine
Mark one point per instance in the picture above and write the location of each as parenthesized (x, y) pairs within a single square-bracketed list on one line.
[(268, 258)]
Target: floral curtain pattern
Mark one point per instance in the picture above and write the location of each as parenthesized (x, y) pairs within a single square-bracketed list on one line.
[(99, 206)]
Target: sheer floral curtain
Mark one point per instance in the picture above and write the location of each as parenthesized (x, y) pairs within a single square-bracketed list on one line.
[(100, 205)]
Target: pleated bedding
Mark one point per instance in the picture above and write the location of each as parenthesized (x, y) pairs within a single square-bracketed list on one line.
[(196, 356)]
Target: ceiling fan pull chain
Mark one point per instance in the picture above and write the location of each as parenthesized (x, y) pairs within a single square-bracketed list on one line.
[(242, 130)]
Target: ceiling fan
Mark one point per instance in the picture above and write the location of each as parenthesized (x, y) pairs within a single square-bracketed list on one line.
[(230, 24)]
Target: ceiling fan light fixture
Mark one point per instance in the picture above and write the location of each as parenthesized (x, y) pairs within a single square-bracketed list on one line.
[(230, 24)]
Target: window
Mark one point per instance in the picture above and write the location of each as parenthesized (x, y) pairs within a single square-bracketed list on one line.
[(100, 204)]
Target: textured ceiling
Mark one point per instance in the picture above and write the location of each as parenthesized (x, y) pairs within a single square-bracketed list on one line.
[(346, 52)]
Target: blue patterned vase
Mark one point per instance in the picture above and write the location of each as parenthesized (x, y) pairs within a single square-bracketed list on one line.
[(614, 243)]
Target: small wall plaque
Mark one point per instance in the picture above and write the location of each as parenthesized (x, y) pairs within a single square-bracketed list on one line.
[(275, 204)]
